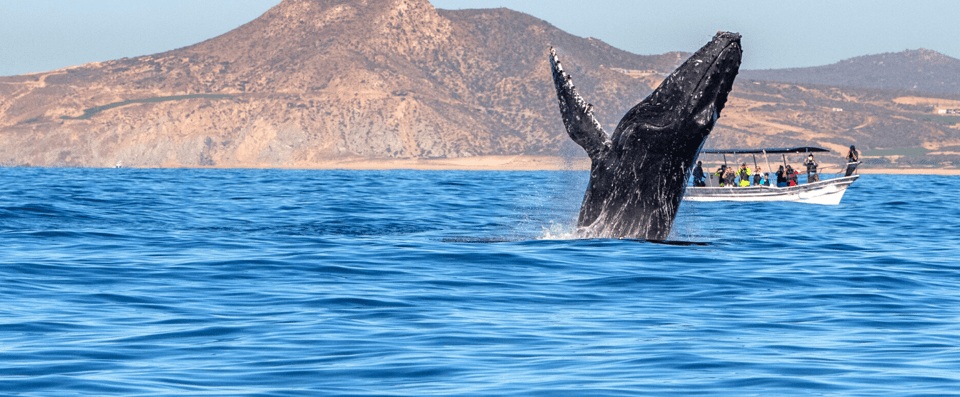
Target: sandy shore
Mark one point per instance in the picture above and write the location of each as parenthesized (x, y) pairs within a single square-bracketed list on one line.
[(541, 163), (912, 171), (478, 163), (531, 163)]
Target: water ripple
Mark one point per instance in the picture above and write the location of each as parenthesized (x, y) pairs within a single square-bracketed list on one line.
[(280, 283)]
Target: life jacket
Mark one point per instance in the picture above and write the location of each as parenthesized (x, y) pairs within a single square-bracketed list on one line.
[(730, 178), (744, 175)]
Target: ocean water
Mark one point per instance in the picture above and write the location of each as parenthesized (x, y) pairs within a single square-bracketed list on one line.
[(361, 283)]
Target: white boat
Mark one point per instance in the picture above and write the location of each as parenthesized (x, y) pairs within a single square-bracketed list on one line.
[(825, 191)]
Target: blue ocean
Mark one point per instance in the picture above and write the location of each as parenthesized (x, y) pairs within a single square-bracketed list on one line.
[(158, 282)]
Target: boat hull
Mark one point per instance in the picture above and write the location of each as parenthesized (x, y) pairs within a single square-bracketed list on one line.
[(827, 192)]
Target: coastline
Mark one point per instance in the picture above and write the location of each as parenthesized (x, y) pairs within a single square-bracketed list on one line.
[(476, 163), (497, 163), (911, 171), (533, 163)]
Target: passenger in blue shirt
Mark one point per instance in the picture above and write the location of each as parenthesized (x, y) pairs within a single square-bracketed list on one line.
[(781, 177)]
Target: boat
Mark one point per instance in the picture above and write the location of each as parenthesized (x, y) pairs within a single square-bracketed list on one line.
[(826, 191)]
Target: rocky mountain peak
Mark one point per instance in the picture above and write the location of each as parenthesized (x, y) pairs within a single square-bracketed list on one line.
[(313, 81), (919, 70), (302, 27), (929, 57), (292, 16)]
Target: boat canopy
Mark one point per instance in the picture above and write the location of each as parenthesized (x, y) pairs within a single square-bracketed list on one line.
[(779, 150)]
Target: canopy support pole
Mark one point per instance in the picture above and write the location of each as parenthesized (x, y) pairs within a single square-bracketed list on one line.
[(769, 169)]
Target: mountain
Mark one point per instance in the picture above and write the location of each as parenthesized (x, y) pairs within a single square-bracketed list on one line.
[(919, 70), (893, 128), (900, 109), (313, 81)]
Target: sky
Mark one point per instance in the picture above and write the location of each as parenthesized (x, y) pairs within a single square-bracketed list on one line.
[(41, 35)]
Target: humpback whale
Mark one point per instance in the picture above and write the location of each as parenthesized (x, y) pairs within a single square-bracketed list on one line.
[(638, 175)]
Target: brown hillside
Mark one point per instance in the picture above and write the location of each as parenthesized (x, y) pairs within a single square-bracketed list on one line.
[(919, 70), (892, 128), (315, 80)]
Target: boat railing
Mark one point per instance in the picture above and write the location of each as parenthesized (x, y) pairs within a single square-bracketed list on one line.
[(849, 168), (712, 180), (846, 169)]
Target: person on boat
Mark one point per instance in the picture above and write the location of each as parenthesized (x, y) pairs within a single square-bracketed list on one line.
[(721, 174), (730, 178), (698, 175), (744, 174), (781, 177), (811, 169), (766, 179), (853, 159), (758, 177), (853, 156), (791, 176)]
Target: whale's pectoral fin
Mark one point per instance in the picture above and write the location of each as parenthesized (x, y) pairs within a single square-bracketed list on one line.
[(577, 114)]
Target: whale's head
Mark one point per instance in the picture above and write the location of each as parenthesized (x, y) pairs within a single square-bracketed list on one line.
[(682, 111)]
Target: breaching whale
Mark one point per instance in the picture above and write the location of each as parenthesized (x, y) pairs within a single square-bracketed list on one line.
[(638, 175)]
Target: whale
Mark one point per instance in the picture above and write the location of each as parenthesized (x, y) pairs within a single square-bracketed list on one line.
[(638, 174)]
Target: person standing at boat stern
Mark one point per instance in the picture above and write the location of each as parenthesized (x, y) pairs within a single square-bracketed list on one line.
[(811, 169), (853, 159), (853, 156)]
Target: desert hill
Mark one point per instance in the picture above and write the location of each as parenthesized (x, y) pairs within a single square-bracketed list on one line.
[(893, 128), (919, 70), (312, 81), (903, 108)]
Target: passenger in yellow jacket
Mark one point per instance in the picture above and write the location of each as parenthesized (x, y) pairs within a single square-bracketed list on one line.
[(744, 174), (721, 172)]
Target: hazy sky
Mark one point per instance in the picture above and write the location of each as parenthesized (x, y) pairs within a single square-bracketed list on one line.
[(40, 35)]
